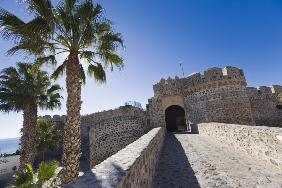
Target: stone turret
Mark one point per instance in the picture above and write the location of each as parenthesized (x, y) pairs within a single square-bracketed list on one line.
[(168, 87), (217, 95), (213, 74)]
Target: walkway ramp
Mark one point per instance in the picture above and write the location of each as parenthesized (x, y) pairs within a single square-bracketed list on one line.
[(193, 160)]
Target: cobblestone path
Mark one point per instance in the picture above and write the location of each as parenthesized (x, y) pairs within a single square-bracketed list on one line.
[(189, 160)]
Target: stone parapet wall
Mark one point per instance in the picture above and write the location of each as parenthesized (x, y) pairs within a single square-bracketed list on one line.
[(133, 166), (111, 135), (264, 143)]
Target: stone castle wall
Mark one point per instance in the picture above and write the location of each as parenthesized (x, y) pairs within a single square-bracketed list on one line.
[(109, 136), (112, 121), (225, 103), (218, 95), (104, 133), (265, 105)]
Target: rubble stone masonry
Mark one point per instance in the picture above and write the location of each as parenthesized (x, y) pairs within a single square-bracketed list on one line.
[(263, 143), (105, 133), (218, 95), (133, 166)]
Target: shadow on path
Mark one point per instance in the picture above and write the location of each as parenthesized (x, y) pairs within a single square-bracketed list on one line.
[(108, 175), (173, 168)]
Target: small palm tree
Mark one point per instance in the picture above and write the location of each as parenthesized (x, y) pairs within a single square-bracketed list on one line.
[(45, 177), (47, 137), (26, 178), (26, 88), (79, 30)]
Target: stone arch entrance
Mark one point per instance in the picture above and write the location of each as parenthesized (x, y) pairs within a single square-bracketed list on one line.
[(175, 118)]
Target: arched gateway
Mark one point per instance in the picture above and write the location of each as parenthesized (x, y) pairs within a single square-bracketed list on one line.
[(175, 118)]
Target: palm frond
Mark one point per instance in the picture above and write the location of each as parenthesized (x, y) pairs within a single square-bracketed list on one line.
[(36, 27), (10, 25), (53, 88), (110, 41), (46, 59), (60, 70), (42, 8), (8, 108), (26, 46), (103, 27), (68, 5), (97, 72), (25, 179), (113, 59), (47, 171), (88, 55), (10, 71), (82, 74)]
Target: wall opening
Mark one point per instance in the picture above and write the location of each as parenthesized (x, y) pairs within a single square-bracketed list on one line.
[(279, 106), (175, 118)]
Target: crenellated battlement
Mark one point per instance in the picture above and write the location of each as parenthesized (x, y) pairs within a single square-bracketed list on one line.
[(118, 112), (274, 89), (54, 118), (169, 86), (100, 116), (212, 77)]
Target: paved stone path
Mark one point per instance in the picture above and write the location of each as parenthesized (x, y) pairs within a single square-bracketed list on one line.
[(189, 160)]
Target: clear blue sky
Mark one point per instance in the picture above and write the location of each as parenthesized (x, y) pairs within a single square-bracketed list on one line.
[(158, 34)]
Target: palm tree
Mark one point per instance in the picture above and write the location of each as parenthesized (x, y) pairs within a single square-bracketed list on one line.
[(80, 30), (26, 88), (45, 177), (48, 137)]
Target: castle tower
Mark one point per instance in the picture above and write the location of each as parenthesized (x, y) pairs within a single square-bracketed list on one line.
[(219, 95)]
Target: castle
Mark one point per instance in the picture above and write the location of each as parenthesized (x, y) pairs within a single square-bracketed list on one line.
[(218, 95)]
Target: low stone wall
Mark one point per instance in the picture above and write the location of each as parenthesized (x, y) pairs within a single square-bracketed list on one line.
[(262, 142), (133, 166)]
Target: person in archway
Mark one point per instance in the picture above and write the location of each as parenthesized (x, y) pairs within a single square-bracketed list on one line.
[(188, 125)]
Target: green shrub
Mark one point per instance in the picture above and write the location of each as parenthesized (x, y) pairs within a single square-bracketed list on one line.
[(47, 176)]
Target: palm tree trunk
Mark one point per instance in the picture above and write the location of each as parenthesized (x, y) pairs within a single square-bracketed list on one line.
[(71, 142), (28, 138)]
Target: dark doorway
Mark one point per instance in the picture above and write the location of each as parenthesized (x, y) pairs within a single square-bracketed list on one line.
[(174, 118)]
